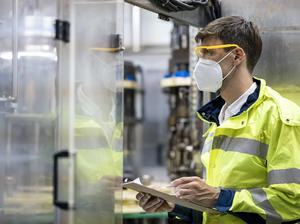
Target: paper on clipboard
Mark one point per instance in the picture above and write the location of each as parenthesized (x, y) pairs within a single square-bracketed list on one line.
[(138, 186)]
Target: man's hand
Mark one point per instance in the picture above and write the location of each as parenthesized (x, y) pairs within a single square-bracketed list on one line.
[(194, 189), (153, 204)]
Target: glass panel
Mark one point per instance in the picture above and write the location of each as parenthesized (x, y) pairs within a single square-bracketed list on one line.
[(6, 24), (98, 120), (27, 112)]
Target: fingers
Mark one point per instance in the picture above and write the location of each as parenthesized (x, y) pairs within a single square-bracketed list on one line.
[(199, 184), (149, 203), (139, 196), (184, 180), (144, 200), (153, 204), (187, 197), (184, 192), (156, 208), (191, 195)]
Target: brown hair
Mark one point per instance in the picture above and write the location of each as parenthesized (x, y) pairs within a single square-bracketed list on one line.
[(236, 30)]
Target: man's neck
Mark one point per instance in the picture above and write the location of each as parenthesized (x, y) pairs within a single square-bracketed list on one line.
[(235, 86)]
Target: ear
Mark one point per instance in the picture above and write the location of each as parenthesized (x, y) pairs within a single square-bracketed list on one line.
[(240, 56)]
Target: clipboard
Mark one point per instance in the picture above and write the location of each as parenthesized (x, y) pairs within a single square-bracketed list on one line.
[(136, 186)]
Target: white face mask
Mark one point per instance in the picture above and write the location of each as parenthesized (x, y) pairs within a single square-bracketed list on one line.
[(208, 74)]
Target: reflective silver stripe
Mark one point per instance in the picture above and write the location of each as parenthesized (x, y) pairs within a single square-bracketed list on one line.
[(284, 176), (207, 146), (204, 173), (260, 199), (242, 145), (210, 134)]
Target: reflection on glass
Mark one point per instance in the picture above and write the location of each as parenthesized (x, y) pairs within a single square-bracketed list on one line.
[(98, 120)]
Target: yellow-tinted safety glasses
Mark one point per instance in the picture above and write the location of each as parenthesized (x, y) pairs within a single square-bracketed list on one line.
[(199, 50)]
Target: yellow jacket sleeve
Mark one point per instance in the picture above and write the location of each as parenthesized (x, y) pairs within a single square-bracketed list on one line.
[(279, 201)]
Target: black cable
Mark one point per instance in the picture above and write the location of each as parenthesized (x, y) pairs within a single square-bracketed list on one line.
[(212, 12), (211, 7), (208, 13), (183, 5), (171, 7), (196, 2), (167, 5), (217, 7)]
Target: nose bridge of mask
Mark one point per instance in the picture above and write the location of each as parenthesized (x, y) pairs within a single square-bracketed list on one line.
[(222, 59), (207, 61)]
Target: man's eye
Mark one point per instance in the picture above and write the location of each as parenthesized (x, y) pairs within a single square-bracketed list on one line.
[(210, 53), (207, 52)]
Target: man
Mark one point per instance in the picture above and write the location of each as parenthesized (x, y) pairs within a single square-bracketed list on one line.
[(98, 138), (252, 150)]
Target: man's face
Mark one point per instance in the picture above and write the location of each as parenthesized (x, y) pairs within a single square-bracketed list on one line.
[(218, 54)]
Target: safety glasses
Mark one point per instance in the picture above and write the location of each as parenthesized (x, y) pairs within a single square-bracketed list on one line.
[(200, 50)]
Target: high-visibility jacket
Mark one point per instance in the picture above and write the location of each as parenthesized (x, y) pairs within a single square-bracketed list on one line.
[(99, 161), (257, 154), (98, 151)]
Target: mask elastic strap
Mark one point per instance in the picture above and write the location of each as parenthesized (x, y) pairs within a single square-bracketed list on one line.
[(225, 56), (229, 72)]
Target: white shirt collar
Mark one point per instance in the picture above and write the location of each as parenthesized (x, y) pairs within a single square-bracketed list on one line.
[(228, 111)]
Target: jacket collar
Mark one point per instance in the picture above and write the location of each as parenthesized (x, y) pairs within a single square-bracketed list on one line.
[(210, 111)]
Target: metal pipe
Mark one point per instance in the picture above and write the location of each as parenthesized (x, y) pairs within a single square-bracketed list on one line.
[(14, 92)]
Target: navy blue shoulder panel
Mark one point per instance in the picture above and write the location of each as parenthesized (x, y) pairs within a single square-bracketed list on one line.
[(211, 110)]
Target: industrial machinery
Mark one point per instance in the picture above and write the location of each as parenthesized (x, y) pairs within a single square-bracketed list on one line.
[(184, 130), (133, 85), (184, 140), (189, 12)]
